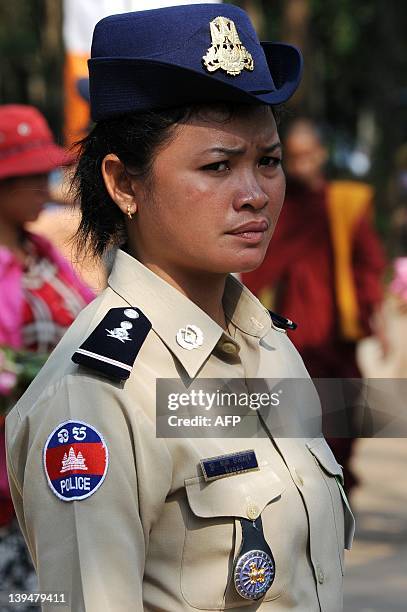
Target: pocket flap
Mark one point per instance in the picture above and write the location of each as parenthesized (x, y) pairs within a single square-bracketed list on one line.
[(233, 495), (325, 457)]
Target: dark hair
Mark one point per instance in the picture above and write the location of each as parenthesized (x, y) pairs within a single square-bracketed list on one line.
[(135, 138)]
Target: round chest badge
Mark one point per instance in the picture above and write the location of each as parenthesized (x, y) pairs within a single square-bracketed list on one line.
[(75, 460), (254, 574)]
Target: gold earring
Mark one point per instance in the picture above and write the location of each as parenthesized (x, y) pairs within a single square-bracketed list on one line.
[(129, 214)]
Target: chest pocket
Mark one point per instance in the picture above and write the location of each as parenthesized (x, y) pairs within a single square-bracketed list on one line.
[(333, 474), (213, 535)]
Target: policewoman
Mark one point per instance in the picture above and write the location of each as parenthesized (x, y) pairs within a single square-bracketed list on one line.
[(183, 172)]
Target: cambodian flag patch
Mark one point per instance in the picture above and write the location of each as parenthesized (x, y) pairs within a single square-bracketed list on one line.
[(75, 460)]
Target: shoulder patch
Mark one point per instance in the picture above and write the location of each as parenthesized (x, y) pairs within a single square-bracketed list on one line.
[(113, 345), (281, 322), (75, 460)]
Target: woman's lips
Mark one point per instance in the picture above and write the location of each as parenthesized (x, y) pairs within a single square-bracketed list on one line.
[(252, 232)]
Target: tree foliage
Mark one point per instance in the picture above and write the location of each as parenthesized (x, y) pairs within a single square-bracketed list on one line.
[(31, 70)]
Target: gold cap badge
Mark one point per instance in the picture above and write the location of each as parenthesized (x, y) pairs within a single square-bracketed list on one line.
[(227, 51)]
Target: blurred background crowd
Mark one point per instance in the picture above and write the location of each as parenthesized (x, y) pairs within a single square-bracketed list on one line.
[(337, 264)]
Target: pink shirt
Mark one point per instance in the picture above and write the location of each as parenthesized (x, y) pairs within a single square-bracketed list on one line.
[(11, 291)]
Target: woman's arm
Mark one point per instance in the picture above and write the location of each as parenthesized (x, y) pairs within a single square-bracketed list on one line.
[(93, 549)]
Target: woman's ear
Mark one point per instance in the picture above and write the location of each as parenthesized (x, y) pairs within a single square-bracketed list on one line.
[(118, 184)]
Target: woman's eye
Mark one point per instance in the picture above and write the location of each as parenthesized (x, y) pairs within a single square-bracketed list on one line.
[(270, 162), (217, 166)]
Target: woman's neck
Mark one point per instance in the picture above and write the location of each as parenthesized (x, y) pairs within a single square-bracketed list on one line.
[(204, 289)]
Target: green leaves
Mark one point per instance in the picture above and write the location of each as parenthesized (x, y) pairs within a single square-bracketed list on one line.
[(18, 369)]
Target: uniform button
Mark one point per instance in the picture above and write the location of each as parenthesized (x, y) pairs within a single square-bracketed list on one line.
[(299, 478), (229, 348), (131, 313), (320, 574), (253, 511)]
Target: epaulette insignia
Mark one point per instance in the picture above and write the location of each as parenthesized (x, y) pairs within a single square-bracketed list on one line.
[(113, 345), (282, 322)]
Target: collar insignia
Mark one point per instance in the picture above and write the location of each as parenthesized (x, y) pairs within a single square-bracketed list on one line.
[(227, 51), (189, 337)]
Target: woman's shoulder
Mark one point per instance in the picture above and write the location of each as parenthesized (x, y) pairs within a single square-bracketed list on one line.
[(65, 392)]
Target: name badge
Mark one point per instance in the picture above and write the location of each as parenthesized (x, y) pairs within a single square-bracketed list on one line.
[(229, 465)]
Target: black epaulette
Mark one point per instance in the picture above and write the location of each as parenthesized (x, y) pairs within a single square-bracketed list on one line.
[(282, 322), (113, 345)]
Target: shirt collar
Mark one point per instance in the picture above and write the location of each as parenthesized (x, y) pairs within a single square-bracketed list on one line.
[(170, 311), (244, 309)]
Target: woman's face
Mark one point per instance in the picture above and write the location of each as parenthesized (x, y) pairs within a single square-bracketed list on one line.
[(22, 198), (214, 196)]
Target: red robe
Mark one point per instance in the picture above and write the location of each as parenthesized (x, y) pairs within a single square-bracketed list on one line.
[(301, 269)]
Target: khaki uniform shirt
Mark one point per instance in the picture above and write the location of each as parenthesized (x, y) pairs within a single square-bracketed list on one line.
[(155, 535)]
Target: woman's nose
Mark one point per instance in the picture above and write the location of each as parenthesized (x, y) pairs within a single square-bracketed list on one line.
[(251, 195)]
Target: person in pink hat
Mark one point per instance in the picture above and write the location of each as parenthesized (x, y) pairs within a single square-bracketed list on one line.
[(40, 295)]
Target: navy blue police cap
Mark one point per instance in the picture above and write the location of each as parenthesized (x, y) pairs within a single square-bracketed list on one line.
[(199, 53)]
